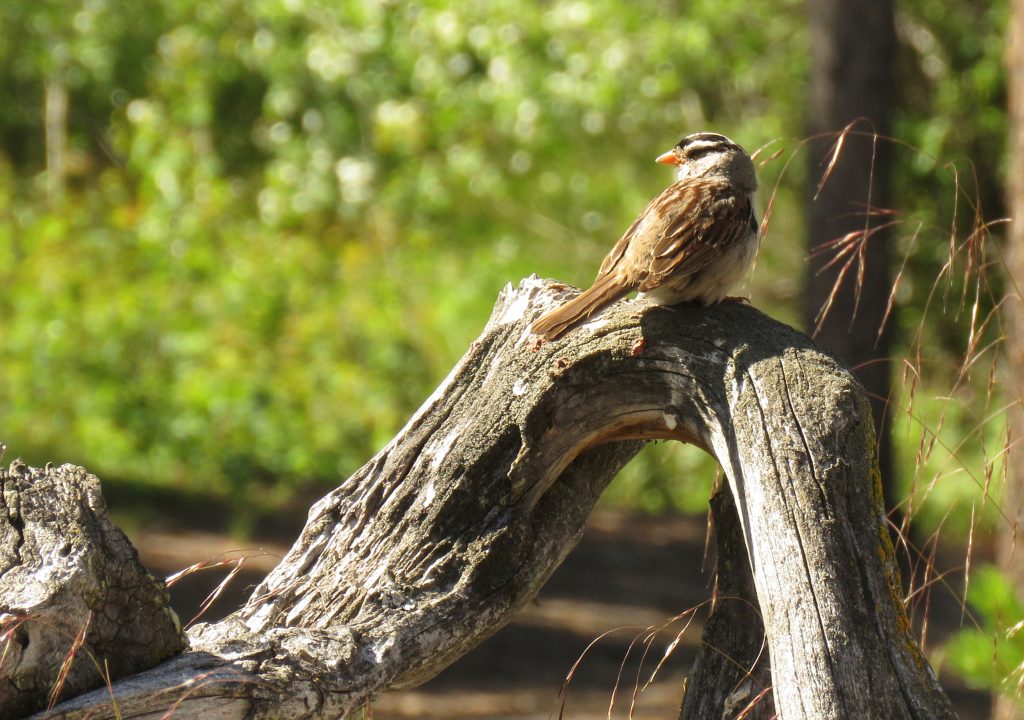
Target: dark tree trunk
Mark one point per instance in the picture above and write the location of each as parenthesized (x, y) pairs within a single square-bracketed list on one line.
[(440, 538), (852, 49)]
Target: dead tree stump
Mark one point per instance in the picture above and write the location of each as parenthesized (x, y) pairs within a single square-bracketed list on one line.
[(68, 578), (441, 537)]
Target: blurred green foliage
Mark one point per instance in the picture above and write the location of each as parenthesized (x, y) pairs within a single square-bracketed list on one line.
[(991, 655), (282, 221)]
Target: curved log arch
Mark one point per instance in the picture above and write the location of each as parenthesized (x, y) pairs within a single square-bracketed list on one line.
[(437, 541)]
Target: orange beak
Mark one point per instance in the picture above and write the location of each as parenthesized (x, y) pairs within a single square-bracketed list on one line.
[(668, 158)]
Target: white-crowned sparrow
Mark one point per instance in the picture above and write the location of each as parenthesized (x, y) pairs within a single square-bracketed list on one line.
[(694, 241)]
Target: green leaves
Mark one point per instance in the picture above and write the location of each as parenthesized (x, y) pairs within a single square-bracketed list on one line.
[(992, 655)]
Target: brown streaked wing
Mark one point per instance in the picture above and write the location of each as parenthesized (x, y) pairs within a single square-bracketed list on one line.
[(697, 237), (665, 198)]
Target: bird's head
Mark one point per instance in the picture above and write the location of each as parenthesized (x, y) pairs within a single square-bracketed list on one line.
[(707, 154)]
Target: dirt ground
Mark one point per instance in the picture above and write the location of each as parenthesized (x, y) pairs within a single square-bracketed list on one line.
[(620, 593)]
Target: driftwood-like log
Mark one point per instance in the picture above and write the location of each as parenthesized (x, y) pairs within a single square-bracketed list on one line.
[(731, 676), (69, 578), (438, 540)]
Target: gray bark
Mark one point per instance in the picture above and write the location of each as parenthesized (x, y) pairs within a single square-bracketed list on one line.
[(438, 540), (64, 568), (732, 670)]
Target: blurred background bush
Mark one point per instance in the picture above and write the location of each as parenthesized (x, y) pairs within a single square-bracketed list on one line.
[(240, 242)]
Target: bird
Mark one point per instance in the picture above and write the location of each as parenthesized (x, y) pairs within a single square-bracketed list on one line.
[(693, 242)]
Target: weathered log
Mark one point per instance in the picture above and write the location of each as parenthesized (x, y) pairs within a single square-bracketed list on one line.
[(731, 676), (438, 540), (68, 578)]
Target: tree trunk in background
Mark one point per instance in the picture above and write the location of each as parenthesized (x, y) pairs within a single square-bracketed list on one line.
[(852, 47), (55, 111), (1011, 556)]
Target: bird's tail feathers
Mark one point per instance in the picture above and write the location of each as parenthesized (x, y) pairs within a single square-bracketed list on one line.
[(555, 323)]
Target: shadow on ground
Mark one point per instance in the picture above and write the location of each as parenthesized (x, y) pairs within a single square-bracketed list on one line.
[(616, 596)]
